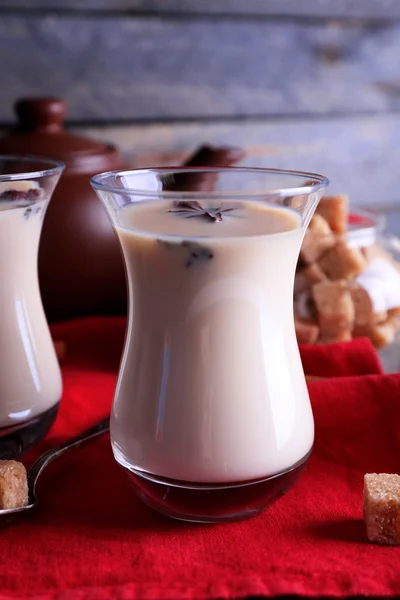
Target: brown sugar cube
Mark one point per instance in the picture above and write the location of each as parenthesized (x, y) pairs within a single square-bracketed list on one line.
[(306, 277), (343, 335), (306, 331), (314, 274), (382, 331), (394, 313), (381, 317), (318, 239), (335, 309), (382, 507), (382, 334), (334, 209), (364, 314), (13, 484), (342, 262)]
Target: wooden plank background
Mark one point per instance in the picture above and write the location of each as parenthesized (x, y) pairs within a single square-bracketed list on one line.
[(305, 84), (310, 8), (360, 155), (112, 68)]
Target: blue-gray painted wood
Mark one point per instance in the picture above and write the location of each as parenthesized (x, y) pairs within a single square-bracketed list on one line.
[(113, 68), (310, 8), (361, 156)]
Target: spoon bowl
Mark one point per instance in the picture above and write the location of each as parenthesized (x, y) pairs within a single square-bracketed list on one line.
[(43, 461)]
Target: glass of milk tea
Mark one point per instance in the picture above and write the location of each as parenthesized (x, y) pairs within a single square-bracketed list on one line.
[(30, 379), (211, 416)]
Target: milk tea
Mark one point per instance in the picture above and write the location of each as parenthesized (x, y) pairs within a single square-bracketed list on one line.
[(211, 386), (30, 379)]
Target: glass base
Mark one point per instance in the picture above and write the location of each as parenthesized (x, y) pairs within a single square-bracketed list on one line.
[(216, 503), (18, 439)]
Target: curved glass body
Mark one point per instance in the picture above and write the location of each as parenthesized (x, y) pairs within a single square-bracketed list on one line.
[(211, 393), (30, 379)]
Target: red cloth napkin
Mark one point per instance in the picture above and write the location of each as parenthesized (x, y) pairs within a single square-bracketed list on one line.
[(92, 539)]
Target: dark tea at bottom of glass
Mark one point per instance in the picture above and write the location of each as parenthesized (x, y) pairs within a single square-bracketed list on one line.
[(205, 503)]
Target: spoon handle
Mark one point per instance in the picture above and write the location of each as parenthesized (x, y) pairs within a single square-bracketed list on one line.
[(41, 463)]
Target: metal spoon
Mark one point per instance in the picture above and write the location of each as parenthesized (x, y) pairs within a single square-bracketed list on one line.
[(43, 461)]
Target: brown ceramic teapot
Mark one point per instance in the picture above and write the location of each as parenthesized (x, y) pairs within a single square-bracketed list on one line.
[(80, 266), (81, 270)]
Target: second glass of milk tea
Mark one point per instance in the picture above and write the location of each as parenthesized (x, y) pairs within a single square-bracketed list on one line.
[(30, 377), (211, 417)]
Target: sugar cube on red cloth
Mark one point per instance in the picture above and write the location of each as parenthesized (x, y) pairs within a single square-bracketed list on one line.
[(91, 538)]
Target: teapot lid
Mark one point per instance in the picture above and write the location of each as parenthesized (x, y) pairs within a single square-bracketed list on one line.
[(40, 132)]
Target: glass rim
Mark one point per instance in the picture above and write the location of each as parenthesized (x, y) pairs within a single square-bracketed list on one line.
[(54, 166), (364, 218), (363, 226), (319, 182)]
